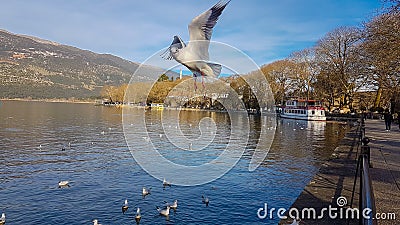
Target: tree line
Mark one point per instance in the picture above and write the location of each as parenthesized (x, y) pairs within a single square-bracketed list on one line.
[(344, 63)]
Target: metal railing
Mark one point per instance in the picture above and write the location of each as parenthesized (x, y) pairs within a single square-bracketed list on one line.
[(366, 193), (367, 199)]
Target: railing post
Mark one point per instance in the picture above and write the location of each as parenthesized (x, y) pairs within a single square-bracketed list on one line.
[(366, 150), (362, 128)]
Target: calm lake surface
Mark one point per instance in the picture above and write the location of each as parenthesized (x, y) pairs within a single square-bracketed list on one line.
[(103, 173)]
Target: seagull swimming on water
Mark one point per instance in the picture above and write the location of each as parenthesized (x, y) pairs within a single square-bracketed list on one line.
[(145, 191), (96, 222), (166, 183), (163, 212), (205, 200), (3, 219), (174, 205), (63, 183), (194, 55), (138, 216), (125, 206)]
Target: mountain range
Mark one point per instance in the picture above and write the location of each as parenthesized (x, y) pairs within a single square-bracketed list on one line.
[(31, 67)]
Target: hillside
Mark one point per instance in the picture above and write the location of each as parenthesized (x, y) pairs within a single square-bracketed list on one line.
[(36, 68)]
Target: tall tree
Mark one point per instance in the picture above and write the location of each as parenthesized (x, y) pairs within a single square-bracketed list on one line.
[(305, 71), (279, 75), (382, 49), (339, 59)]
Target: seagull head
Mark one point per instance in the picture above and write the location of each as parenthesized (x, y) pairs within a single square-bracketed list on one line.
[(175, 47)]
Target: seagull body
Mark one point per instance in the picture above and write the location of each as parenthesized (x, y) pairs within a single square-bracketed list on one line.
[(166, 183), (174, 205), (138, 216), (63, 183), (96, 222), (163, 212), (125, 206), (195, 54), (205, 200), (145, 191), (3, 219)]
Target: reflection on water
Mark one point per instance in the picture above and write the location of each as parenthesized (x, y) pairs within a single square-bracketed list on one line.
[(102, 172)]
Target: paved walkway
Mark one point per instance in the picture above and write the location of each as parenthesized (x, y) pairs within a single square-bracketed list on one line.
[(385, 174), (336, 177)]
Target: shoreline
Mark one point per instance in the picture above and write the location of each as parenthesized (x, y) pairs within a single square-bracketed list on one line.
[(333, 180), (336, 178), (48, 100)]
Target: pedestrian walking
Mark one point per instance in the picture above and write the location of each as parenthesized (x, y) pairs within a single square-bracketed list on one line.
[(388, 120)]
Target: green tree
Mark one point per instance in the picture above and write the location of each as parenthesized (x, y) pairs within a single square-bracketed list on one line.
[(163, 77)]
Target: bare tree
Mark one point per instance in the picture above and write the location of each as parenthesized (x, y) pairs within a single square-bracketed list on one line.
[(382, 49), (108, 92), (279, 75), (339, 60), (305, 71)]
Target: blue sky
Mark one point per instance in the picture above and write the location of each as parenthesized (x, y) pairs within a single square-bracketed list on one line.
[(265, 30)]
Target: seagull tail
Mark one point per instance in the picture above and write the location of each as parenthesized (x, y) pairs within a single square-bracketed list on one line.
[(216, 68)]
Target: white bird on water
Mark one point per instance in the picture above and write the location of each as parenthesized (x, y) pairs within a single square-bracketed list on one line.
[(3, 219), (63, 183), (125, 206), (96, 222), (174, 205), (163, 212), (145, 191), (166, 183), (195, 54), (205, 200), (138, 216)]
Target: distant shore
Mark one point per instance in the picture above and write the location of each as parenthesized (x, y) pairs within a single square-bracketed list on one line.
[(49, 100)]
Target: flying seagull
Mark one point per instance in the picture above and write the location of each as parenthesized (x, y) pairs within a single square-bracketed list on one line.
[(194, 55)]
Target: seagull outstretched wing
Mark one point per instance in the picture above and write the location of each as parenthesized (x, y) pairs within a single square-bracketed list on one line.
[(200, 29)]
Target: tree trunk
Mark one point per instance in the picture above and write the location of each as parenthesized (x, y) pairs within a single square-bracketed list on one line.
[(377, 102)]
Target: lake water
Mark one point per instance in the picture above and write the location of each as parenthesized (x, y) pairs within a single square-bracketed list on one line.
[(103, 173)]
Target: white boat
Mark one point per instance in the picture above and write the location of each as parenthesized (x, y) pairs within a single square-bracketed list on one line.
[(302, 109)]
